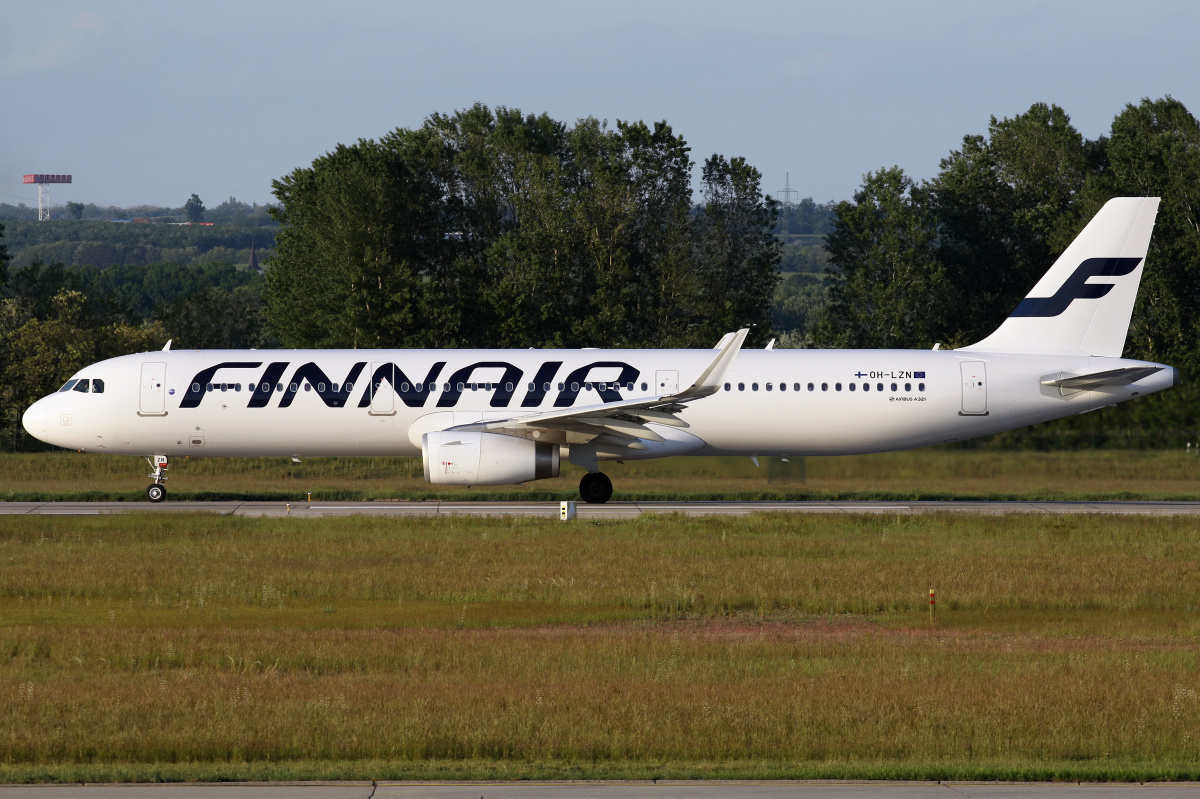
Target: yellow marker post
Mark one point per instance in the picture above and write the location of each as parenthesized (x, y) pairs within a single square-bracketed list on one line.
[(931, 605)]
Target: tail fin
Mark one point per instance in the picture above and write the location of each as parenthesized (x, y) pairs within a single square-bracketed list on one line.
[(1083, 304)]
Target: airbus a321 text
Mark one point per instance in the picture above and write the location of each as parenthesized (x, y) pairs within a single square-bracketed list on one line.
[(491, 417)]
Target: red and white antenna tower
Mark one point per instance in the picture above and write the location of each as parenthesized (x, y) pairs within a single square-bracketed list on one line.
[(43, 183)]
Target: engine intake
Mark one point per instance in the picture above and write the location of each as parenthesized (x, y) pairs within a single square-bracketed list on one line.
[(485, 459)]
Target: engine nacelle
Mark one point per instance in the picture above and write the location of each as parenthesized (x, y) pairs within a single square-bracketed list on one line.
[(485, 459)]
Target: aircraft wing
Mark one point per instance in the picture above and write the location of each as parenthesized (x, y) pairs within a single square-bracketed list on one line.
[(620, 425), (1113, 377)]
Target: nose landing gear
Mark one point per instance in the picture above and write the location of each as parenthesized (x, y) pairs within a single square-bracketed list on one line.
[(157, 492), (595, 488)]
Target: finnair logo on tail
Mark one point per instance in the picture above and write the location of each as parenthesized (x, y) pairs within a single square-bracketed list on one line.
[(1076, 286)]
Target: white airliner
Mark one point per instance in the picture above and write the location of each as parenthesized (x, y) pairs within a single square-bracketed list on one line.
[(492, 417)]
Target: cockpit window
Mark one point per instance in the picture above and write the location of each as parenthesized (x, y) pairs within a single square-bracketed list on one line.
[(81, 387), (97, 386), (67, 386)]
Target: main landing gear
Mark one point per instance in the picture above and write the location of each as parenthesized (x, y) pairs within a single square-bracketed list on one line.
[(595, 488), (157, 492)]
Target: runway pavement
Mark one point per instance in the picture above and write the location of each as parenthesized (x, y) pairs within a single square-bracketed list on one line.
[(667, 789), (611, 510)]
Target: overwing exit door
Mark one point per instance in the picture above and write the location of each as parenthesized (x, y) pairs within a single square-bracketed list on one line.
[(383, 393), (666, 382)]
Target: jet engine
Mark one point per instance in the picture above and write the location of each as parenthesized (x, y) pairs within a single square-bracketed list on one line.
[(484, 459)]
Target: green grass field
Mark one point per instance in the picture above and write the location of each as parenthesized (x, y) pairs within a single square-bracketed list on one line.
[(201, 647), (937, 473)]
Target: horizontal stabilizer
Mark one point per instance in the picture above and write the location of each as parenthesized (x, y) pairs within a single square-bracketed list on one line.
[(1113, 377)]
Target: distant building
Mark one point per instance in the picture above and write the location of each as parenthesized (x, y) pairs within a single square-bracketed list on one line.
[(253, 265)]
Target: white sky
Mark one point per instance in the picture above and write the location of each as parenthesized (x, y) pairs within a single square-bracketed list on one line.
[(147, 102)]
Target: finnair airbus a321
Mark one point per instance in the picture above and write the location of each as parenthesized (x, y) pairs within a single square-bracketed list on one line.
[(492, 417)]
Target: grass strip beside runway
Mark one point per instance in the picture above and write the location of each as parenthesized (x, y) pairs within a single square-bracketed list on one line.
[(929, 474), (201, 647)]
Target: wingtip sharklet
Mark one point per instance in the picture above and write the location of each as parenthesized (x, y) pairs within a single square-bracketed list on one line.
[(709, 381)]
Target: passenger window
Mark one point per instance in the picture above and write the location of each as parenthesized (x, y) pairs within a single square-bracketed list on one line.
[(404, 387), (893, 387), (307, 386), (754, 386), (866, 386), (546, 386), (67, 386), (644, 387), (908, 386), (838, 386), (741, 386), (293, 387), (237, 386), (279, 386), (824, 386), (796, 386), (783, 386), (334, 388), (562, 386), (587, 386), (727, 386), (508, 387), (810, 387), (768, 386), (852, 386), (532, 387), (574, 386), (879, 386), (81, 387), (920, 386)]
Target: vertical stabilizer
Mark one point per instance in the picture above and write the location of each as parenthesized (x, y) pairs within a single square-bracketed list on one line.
[(1084, 303)]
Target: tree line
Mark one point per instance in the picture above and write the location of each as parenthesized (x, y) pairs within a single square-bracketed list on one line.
[(100, 245), (496, 228)]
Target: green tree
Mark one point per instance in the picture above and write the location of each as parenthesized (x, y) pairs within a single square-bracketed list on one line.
[(75, 210), (1004, 207), (194, 209), (736, 254), (485, 228), (3, 263), (217, 318), (360, 261), (886, 286), (1154, 150)]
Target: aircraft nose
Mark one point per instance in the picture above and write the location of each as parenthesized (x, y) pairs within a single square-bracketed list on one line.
[(36, 420)]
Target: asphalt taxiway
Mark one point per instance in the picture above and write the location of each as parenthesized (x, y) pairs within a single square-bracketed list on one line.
[(611, 510), (664, 789)]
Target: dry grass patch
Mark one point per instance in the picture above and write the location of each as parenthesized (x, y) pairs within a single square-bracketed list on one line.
[(769, 646)]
